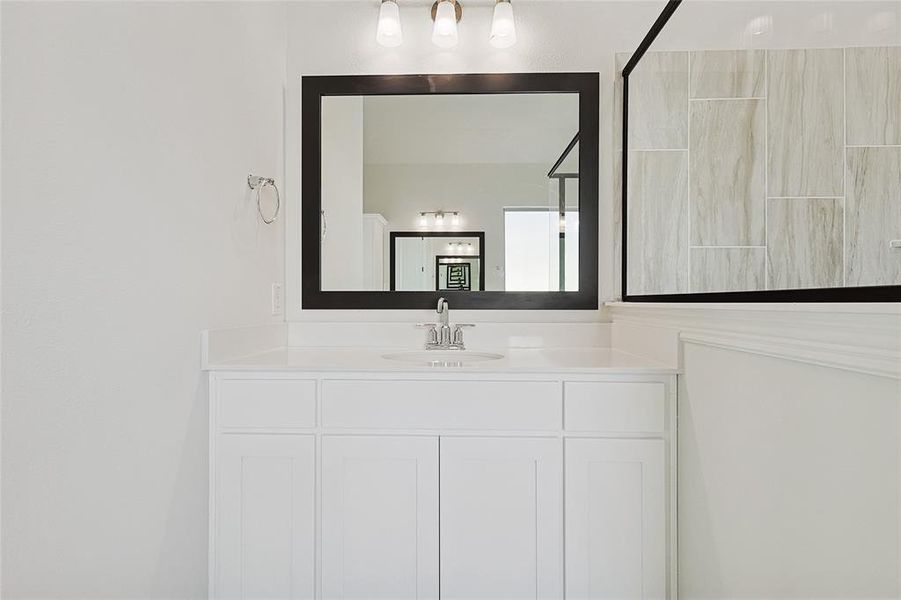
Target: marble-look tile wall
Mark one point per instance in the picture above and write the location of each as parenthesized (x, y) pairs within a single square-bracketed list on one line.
[(764, 169)]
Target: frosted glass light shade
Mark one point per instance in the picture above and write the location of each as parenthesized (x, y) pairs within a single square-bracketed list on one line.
[(503, 29), (444, 33), (389, 33)]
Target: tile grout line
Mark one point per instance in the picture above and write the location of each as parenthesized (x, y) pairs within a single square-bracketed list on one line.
[(727, 247), (727, 99), (844, 165), (766, 169)]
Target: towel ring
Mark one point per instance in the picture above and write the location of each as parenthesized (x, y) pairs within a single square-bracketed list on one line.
[(257, 183)]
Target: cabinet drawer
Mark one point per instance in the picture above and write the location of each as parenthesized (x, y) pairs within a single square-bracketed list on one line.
[(481, 405), (267, 403), (610, 406)]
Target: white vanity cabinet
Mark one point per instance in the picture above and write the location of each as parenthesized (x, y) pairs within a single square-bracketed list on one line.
[(264, 499), (501, 518), (379, 517), (467, 485)]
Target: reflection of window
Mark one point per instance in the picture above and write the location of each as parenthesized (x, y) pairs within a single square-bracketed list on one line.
[(541, 250)]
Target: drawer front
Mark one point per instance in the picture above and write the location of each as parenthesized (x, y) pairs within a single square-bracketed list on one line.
[(481, 405), (267, 403), (614, 407)]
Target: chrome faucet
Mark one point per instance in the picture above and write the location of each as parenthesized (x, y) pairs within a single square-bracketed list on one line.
[(442, 335)]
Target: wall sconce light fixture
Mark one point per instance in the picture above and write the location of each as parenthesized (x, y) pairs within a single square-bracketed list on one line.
[(439, 218), (503, 28), (389, 32), (446, 14)]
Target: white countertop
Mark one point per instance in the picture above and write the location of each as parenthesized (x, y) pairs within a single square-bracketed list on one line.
[(515, 360)]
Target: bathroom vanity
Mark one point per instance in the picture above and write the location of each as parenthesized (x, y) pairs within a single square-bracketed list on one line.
[(340, 473), (523, 470)]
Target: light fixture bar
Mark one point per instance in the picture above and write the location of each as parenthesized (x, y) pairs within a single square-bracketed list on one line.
[(439, 218)]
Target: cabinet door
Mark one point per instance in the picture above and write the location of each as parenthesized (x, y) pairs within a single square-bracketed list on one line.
[(501, 518), (379, 517), (264, 535), (615, 519)]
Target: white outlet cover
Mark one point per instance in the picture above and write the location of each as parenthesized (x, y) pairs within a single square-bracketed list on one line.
[(277, 299)]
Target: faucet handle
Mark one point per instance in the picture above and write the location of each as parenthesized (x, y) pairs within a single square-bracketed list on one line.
[(458, 332), (431, 336)]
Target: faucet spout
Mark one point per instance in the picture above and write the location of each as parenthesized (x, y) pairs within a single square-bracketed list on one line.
[(443, 310)]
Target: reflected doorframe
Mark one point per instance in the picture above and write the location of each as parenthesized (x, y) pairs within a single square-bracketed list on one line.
[(412, 234)]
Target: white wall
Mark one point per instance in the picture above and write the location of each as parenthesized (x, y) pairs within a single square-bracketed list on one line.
[(789, 445), (479, 192), (128, 132), (342, 193), (789, 479), (561, 35)]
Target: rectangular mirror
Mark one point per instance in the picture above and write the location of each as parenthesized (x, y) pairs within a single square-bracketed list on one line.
[(480, 188)]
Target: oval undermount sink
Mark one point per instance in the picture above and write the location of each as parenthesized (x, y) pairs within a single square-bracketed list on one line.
[(442, 358)]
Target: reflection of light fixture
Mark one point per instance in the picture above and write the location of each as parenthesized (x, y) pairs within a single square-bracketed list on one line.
[(439, 218), (503, 29), (460, 247), (446, 13), (761, 25), (389, 33), (882, 22), (823, 22)]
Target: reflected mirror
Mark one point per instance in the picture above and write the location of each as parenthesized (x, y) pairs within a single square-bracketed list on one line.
[(477, 194)]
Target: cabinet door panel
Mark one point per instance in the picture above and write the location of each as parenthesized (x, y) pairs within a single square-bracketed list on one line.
[(264, 536), (615, 519), (379, 517), (501, 518)]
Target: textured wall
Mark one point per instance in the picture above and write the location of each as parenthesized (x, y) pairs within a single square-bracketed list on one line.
[(128, 132), (792, 160)]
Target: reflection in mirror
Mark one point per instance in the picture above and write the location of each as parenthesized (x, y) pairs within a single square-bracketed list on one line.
[(426, 261), (450, 192)]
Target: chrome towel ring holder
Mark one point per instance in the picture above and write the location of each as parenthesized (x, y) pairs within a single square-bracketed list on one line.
[(256, 183)]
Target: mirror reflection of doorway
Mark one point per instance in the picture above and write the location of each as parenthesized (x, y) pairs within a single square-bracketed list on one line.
[(437, 261), (457, 273)]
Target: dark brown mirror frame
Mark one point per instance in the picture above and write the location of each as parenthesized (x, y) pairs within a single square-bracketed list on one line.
[(314, 88), (886, 293)]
